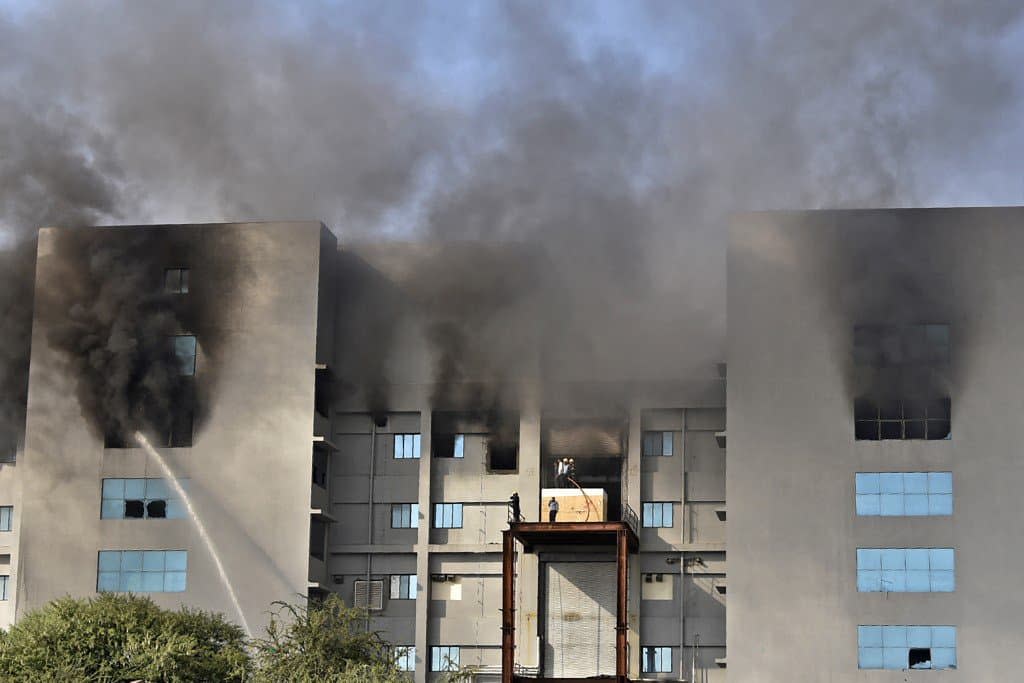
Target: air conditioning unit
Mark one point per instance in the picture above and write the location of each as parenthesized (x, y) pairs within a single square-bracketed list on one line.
[(369, 595), (659, 577), (648, 578)]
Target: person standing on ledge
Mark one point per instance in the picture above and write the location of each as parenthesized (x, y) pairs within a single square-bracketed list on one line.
[(513, 504), (552, 509)]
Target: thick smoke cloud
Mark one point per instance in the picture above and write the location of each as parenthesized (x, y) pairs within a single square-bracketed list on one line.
[(607, 140)]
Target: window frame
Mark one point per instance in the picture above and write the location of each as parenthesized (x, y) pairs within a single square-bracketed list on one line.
[(413, 510), (187, 361), (412, 439), (889, 646), (181, 284), (403, 587), (657, 657), (902, 419), (449, 663), (6, 518), (142, 563), (655, 441), (174, 507), (904, 494), (655, 518), (405, 658), (5, 587), (443, 510), (906, 570)]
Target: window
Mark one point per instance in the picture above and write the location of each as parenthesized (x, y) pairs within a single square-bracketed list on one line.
[(407, 446), (6, 517), (658, 443), (185, 350), (403, 587), (448, 516), (405, 658), (906, 647), (657, 660), (904, 494), (4, 581), (900, 346), (657, 515), (142, 571), (444, 658), (405, 516), (140, 499), (449, 445), (905, 570), (176, 280), (898, 419)]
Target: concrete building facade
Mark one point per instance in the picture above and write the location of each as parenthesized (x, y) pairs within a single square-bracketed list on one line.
[(873, 361), (308, 483)]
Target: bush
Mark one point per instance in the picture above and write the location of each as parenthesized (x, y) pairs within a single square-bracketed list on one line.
[(114, 638), (326, 642)]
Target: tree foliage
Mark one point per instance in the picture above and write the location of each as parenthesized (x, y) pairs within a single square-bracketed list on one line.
[(116, 638), (327, 641)]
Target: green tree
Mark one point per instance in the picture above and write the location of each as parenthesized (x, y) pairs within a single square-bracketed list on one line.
[(115, 638), (326, 641)]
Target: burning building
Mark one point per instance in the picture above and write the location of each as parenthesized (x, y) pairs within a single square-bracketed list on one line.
[(341, 419)]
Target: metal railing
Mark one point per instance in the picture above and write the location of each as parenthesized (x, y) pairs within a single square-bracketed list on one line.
[(630, 517)]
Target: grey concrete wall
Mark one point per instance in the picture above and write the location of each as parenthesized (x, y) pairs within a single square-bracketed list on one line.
[(250, 464), (793, 607)]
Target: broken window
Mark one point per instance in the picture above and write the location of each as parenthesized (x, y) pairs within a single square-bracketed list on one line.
[(903, 345), (185, 350), (140, 499), (903, 647), (658, 443), (888, 419), (176, 280), (904, 494), (919, 658)]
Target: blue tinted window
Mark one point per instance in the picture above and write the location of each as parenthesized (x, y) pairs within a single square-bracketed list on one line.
[(904, 494), (142, 571), (905, 570), (140, 499), (906, 647)]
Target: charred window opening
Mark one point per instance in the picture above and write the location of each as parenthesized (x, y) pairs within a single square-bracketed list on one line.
[(491, 437), (318, 539), (919, 658), (114, 439), (888, 419), (176, 280), (502, 456), (322, 391), (883, 346)]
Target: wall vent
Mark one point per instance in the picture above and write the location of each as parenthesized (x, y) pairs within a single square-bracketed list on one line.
[(369, 595)]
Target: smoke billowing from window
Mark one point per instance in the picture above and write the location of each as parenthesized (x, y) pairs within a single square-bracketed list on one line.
[(610, 139)]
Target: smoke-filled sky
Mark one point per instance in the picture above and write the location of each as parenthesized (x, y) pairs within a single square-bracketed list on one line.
[(615, 134)]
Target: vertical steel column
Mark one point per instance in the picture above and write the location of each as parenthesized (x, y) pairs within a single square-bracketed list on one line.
[(508, 617), (621, 617)]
